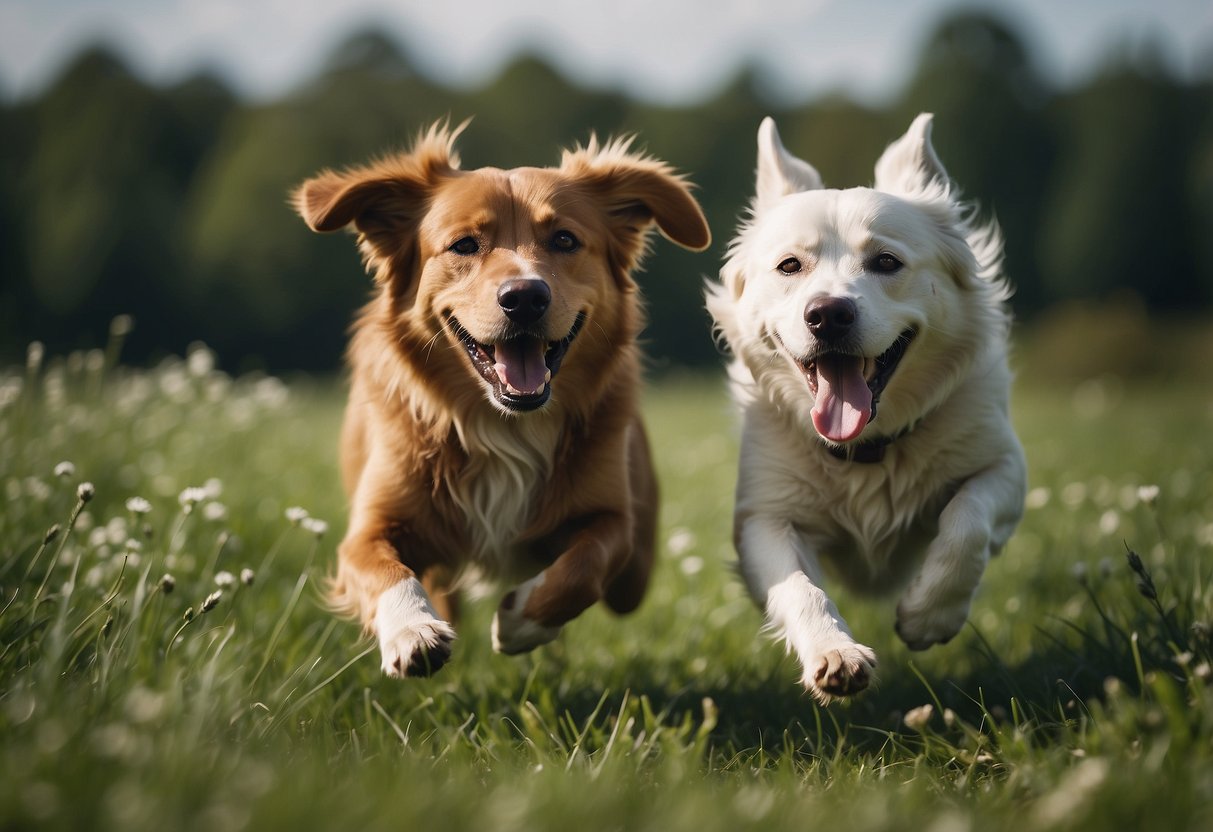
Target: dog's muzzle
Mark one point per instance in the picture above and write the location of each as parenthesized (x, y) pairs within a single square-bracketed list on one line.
[(519, 369)]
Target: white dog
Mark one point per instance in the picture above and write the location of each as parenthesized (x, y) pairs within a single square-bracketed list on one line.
[(869, 338)]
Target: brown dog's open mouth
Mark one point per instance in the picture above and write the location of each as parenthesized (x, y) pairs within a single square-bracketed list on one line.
[(846, 388), (519, 369)]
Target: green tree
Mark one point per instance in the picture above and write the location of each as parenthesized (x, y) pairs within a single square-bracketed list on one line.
[(978, 77), (1131, 207)]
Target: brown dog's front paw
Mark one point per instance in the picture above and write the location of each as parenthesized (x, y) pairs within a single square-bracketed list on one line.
[(413, 640), (420, 652), (840, 672)]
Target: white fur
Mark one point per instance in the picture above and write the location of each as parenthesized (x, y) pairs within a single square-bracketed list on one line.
[(512, 631), (950, 489), (408, 627), (509, 460)]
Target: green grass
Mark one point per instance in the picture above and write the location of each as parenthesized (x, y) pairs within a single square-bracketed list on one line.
[(1073, 701)]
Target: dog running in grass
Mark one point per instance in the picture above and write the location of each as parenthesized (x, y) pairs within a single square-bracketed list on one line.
[(868, 331), (493, 420)]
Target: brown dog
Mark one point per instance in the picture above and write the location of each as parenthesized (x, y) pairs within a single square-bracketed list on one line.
[(493, 419)]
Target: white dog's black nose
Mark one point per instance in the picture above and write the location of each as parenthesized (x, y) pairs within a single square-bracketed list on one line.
[(524, 300), (830, 319)]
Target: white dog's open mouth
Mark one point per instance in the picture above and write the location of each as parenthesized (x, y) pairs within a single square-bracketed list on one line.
[(846, 388), (519, 369)]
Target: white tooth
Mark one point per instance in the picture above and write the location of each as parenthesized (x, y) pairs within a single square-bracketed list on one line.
[(547, 375), (540, 388)]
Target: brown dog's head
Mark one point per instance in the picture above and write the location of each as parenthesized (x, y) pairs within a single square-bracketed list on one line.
[(505, 268)]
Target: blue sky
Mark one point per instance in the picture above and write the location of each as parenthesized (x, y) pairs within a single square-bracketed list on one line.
[(661, 50)]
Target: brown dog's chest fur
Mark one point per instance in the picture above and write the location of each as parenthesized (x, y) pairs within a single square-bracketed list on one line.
[(484, 489)]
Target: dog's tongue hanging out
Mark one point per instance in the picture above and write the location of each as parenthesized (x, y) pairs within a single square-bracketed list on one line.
[(843, 404), (520, 365)]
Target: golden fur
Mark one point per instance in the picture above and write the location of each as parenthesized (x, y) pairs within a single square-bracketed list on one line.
[(446, 465)]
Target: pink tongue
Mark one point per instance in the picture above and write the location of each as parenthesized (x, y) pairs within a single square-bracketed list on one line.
[(520, 365), (844, 402)]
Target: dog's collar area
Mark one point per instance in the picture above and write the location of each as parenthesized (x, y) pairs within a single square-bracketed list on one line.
[(870, 452), (864, 453), (522, 359)]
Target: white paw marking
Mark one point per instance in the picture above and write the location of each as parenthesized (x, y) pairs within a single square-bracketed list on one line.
[(834, 664), (413, 640), (512, 631), (843, 669)]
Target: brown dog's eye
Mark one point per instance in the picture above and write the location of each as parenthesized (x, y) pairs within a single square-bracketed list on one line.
[(465, 245), (565, 241), (790, 266), (885, 263)]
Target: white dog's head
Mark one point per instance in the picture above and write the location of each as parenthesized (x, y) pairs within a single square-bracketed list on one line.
[(838, 301)]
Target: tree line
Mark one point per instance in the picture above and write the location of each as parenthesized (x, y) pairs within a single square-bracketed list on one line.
[(168, 203)]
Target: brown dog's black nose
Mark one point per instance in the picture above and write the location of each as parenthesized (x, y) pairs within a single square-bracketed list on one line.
[(830, 319), (524, 300)]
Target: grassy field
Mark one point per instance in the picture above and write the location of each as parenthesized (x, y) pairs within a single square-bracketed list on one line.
[(132, 696)]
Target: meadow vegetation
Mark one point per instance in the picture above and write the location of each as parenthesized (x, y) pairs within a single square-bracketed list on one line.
[(165, 662)]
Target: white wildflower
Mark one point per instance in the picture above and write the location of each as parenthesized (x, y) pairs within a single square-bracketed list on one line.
[(190, 497), (1109, 522), (918, 718), (1147, 494), (681, 541), (138, 505), (224, 579), (65, 469), (200, 360), (1038, 497), (314, 525), (691, 565), (213, 488), (247, 576), (85, 492), (296, 515), (214, 511)]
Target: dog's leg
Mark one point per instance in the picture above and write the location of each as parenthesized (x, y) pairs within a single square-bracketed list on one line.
[(387, 593), (785, 578), (626, 590), (973, 526), (391, 602), (532, 613)]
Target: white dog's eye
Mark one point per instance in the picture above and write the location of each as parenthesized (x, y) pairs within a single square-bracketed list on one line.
[(790, 266), (565, 241), (465, 245), (885, 263)]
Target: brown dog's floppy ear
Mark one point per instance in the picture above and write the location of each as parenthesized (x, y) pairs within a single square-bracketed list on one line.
[(382, 200), (635, 191), (330, 201)]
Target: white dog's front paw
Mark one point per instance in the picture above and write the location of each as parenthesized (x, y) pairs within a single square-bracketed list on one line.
[(512, 631), (841, 669), (923, 625), (413, 640)]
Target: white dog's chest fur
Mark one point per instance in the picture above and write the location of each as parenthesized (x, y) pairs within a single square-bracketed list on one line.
[(869, 523)]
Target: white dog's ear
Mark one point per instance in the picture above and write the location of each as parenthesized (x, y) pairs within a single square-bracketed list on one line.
[(909, 166), (779, 172)]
